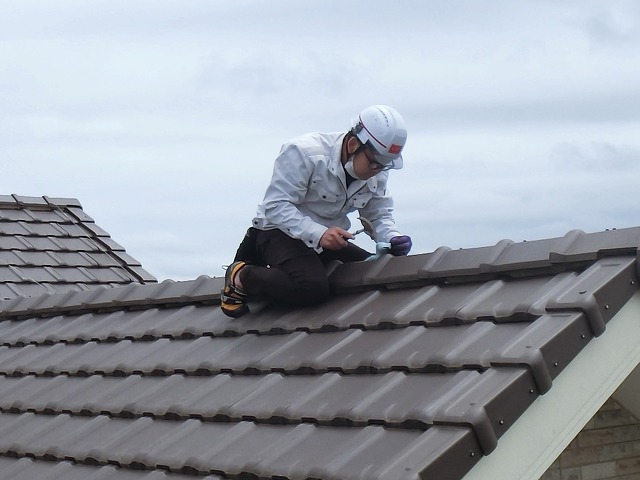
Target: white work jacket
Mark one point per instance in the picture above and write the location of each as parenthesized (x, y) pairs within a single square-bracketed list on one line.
[(308, 193)]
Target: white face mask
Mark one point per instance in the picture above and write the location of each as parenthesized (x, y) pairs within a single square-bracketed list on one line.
[(350, 170)]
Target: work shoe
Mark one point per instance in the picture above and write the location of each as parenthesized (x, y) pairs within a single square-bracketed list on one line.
[(233, 301)]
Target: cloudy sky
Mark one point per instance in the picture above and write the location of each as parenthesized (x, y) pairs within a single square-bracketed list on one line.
[(163, 117)]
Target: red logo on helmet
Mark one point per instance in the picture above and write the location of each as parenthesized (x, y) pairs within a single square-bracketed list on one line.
[(395, 149)]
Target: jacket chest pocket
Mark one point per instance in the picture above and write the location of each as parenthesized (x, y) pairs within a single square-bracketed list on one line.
[(319, 191), (360, 199)]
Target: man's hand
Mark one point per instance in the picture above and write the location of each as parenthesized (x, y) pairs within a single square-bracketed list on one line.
[(400, 245), (335, 238)]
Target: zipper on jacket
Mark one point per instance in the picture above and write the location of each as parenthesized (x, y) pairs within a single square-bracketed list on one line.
[(346, 194)]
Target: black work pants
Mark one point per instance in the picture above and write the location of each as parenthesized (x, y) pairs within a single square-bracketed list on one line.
[(284, 270)]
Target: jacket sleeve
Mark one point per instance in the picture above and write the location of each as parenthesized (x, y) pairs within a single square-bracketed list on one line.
[(292, 172), (379, 210)]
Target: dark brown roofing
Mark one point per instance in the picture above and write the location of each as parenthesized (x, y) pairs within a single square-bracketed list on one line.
[(50, 245), (415, 369)]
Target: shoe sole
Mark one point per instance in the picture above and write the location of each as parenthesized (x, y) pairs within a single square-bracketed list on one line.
[(236, 310)]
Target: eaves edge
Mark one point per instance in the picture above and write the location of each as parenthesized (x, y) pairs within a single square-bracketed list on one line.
[(537, 439)]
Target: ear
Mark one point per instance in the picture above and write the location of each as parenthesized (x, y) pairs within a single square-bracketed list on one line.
[(352, 145)]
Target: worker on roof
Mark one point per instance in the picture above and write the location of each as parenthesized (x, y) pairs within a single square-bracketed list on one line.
[(302, 223)]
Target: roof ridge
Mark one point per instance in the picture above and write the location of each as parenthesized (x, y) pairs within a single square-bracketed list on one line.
[(573, 252)]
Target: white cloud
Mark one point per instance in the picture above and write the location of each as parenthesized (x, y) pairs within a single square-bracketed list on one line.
[(163, 117)]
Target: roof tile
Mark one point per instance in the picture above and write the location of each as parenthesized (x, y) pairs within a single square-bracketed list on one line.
[(321, 452), (414, 369), (600, 291), (47, 243), (62, 202), (7, 200), (546, 346), (30, 201), (587, 247), (32, 469), (398, 269)]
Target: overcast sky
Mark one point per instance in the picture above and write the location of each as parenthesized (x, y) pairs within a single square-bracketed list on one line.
[(163, 117)]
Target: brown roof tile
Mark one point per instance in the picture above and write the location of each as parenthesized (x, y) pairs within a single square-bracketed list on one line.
[(50, 245), (415, 368)]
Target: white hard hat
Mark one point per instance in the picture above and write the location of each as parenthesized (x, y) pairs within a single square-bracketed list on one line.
[(383, 129)]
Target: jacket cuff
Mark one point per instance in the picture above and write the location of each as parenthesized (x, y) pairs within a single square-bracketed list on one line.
[(312, 236)]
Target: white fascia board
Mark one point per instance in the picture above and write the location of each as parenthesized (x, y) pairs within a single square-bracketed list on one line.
[(628, 395), (542, 433)]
